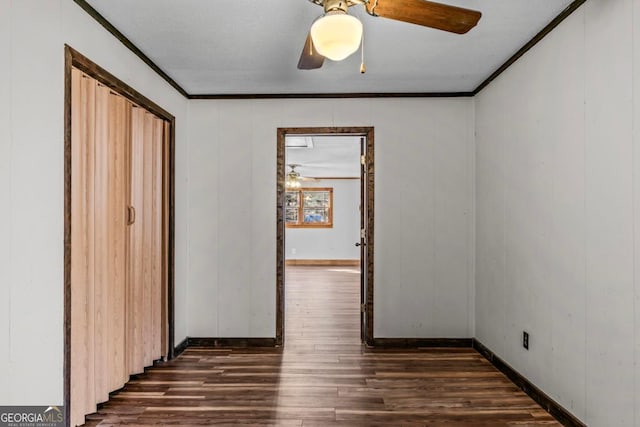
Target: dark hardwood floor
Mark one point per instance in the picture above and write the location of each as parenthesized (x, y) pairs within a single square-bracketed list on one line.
[(323, 376)]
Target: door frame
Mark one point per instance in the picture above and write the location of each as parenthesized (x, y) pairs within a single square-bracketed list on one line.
[(368, 133), (74, 59)]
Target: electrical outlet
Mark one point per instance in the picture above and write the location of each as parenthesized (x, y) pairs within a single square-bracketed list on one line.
[(293, 251), (525, 339)]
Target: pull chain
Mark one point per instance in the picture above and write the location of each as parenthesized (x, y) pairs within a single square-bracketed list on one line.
[(363, 68)]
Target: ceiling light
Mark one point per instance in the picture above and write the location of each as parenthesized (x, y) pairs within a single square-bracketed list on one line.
[(293, 179), (293, 183), (336, 35)]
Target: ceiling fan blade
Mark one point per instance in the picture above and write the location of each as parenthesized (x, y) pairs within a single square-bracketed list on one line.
[(426, 13), (310, 59)]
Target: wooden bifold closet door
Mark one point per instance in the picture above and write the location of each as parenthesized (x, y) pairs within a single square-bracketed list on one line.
[(118, 242)]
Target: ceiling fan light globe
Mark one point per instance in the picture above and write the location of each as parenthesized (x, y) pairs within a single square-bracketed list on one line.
[(293, 184), (336, 35)]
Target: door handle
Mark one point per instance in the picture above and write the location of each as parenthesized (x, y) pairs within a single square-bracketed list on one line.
[(361, 244), (132, 215)]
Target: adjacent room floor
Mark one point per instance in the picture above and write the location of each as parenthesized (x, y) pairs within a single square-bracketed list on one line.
[(323, 376)]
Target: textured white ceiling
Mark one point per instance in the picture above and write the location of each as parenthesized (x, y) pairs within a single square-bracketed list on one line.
[(253, 46), (331, 156)]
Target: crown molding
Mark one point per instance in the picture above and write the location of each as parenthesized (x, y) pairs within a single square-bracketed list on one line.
[(335, 95), (531, 43), (129, 45)]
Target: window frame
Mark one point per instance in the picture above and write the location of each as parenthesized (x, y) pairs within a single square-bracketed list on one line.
[(301, 207)]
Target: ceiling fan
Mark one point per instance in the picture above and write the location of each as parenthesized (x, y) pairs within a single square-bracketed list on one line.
[(294, 179), (336, 35)]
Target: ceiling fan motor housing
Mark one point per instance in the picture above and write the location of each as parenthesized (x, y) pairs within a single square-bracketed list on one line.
[(335, 5), (330, 5)]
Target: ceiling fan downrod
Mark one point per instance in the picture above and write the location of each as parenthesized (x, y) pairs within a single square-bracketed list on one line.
[(335, 6), (348, 3)]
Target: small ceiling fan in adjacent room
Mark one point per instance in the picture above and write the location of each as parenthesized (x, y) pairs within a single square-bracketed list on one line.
[(294, 179), (336, 34)]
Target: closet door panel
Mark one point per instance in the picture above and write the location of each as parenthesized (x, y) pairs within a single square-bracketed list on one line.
[(102, 263), (90, 396), (156, 244), (118, 192), (136, 249), (78, 252), (82, 358), (165, 239), (146, 217)]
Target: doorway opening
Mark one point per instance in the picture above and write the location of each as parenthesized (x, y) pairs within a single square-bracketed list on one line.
[(305, 203)]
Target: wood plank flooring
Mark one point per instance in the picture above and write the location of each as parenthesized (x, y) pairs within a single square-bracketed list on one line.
[(323, 376)]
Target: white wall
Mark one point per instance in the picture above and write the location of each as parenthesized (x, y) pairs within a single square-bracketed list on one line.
[(424, 212), (32, 38), (337, 242), (636, 201), (5, 194), (558, 203)]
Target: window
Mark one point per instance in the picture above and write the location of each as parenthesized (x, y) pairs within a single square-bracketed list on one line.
[(309, 207)]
